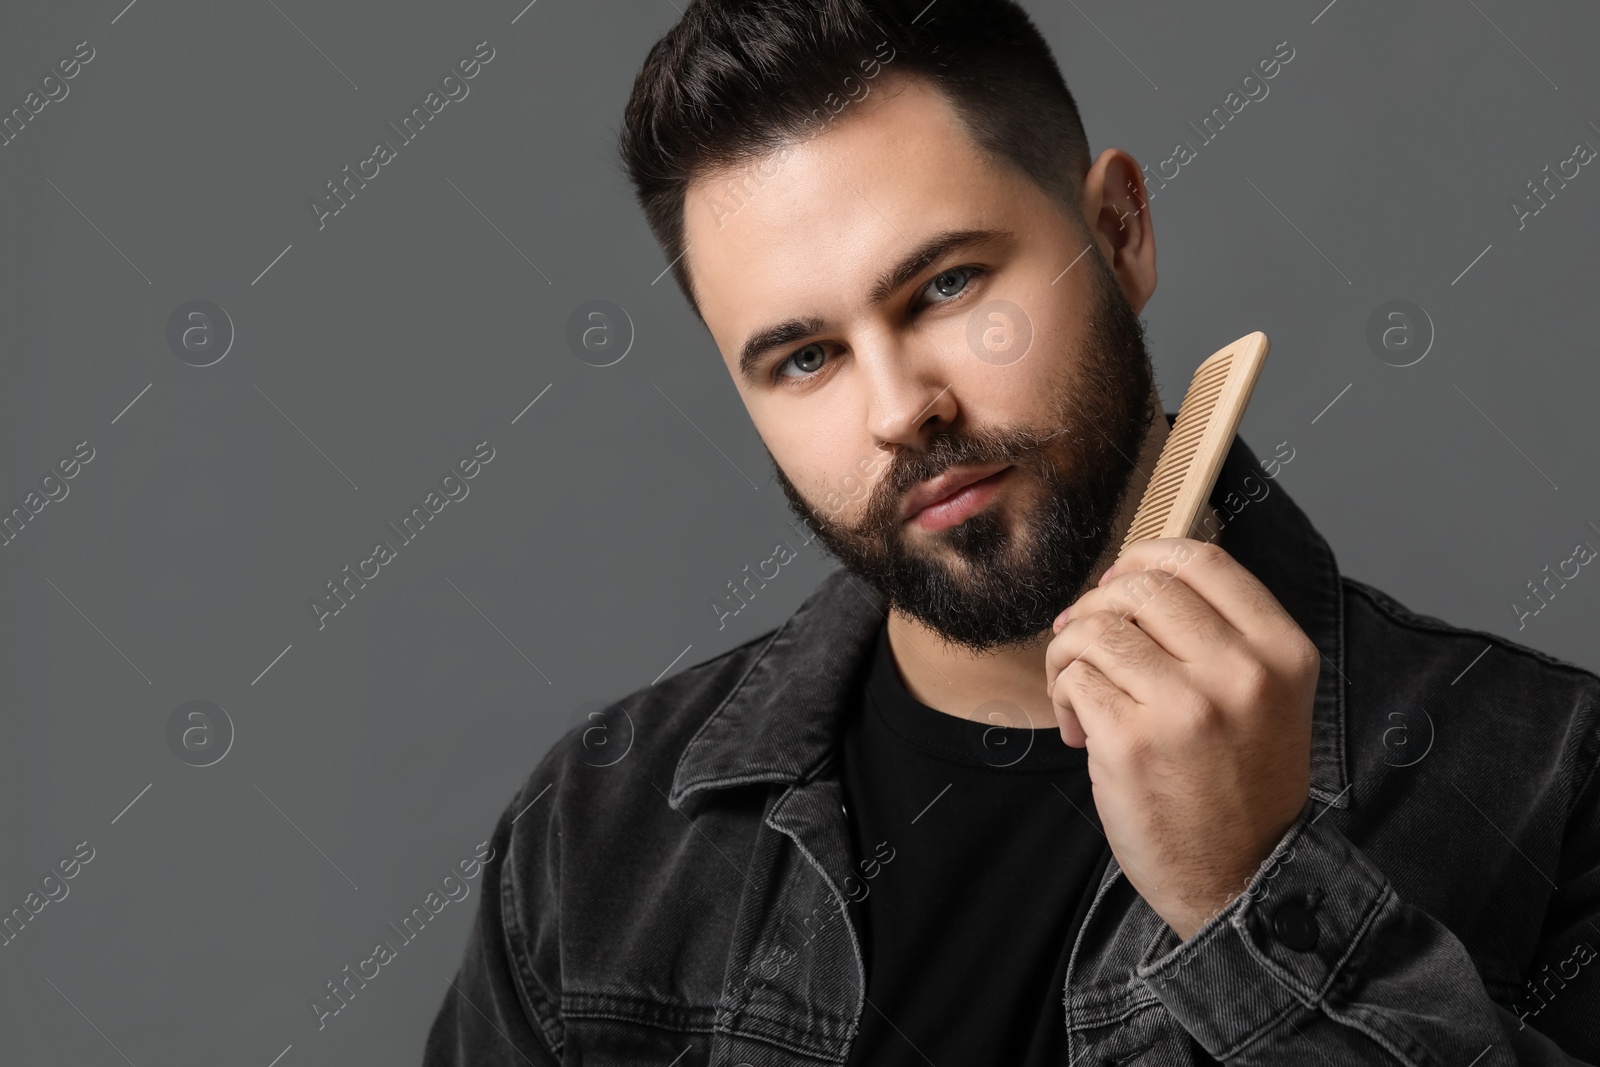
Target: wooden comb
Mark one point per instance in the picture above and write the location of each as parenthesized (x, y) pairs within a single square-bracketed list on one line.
[(1187, 469)]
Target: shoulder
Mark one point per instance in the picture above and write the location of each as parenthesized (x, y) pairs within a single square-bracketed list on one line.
[(627, 746), (1510, 696), (1388, 620), (595, 861)]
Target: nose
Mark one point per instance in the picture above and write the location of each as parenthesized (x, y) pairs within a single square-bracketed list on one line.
[(909, 395)]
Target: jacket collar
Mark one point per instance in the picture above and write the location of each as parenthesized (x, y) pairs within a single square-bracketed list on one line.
[(781, 720)]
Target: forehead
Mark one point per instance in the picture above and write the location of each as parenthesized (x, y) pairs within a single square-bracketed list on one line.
[(807, 230)]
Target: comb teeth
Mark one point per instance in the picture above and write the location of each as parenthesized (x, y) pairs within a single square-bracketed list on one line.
[(1207, 420)]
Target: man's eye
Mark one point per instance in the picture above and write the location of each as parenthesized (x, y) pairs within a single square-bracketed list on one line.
[(946, 286), (951, 283), (808, 360)]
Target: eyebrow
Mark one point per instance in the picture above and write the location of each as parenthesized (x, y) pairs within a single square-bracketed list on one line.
[(763, 341)]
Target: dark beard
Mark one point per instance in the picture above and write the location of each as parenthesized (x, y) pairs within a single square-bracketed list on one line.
[(1009, 582)]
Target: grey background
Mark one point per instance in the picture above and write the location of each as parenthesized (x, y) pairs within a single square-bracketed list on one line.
[(377, 351)]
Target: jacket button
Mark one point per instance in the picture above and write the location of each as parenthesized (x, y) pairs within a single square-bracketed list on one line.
[(1295, 926)]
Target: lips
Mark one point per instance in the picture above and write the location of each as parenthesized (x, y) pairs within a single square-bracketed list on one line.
[(944, 486)]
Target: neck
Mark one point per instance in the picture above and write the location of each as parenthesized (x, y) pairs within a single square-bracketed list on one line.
[(960, 682)]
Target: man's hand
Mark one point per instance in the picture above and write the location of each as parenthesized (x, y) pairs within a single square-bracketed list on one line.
[(1192, 690)]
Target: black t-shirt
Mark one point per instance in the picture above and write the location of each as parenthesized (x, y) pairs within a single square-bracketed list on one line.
[(978, 852)]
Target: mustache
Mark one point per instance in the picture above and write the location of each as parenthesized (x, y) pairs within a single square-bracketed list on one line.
[(907, 469), (1018, 446)]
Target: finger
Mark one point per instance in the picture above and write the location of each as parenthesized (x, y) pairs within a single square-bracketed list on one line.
[(1177, 618), (1236, 595), (1072, 731), (1120, 650), (1099, 706)]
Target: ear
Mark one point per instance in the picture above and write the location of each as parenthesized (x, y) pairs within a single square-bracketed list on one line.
[(1116, 212)]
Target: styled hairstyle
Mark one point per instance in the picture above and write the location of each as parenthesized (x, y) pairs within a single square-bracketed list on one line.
[(738, 80)]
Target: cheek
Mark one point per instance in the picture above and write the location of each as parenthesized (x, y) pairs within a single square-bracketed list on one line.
[(840, 485), (810, 461), (1026, 394), (841, 489), (1052, 321)]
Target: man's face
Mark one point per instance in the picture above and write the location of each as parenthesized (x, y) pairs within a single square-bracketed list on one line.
[(1015, 350)]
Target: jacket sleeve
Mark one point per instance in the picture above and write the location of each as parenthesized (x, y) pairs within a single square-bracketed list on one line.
[(496, 1012), (1319, 961)]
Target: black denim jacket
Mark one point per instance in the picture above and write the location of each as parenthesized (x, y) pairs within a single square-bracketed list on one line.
[(670, 888)]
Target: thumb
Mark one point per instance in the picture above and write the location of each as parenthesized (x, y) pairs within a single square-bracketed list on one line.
[(1067, 719)]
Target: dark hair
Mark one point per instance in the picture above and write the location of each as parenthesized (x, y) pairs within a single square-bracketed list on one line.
[(736, 80)]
